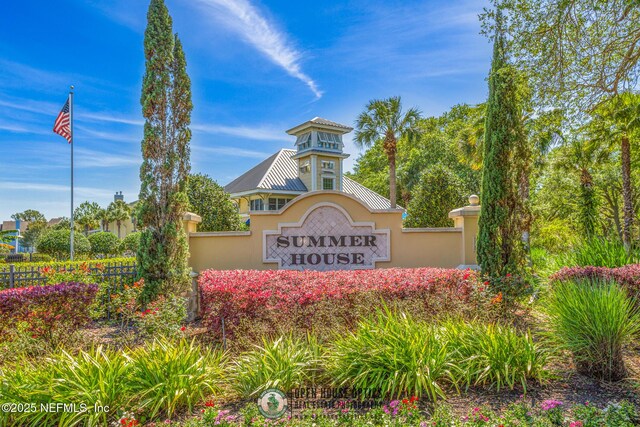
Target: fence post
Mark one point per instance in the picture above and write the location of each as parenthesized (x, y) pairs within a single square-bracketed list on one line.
[(11, 278)]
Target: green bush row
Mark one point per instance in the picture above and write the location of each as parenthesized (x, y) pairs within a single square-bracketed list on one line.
[(74, 264), (56, 243)]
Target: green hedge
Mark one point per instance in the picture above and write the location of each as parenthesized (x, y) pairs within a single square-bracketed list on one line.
[(59, 264)]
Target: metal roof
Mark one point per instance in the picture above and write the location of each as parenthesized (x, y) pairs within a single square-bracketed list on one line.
[(369, 197), (320, 122), (280, 172)]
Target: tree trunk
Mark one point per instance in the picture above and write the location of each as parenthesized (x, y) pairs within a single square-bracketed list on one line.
[(390, 147), (119, 223), (392, 181), (588, 203), (627, 196)]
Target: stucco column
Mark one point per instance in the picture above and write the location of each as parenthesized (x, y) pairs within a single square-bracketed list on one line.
[(190, 222), (466, 218)]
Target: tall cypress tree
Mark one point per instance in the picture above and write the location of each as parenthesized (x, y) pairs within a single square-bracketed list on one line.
[(166, 107), (501, 216)]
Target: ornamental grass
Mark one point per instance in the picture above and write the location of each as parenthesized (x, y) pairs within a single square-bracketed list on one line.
[(593, 319), (283, 363), (494, 355), (392, 355), (154, 381)]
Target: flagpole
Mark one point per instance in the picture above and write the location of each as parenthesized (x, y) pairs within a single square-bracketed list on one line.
[(71, 129)]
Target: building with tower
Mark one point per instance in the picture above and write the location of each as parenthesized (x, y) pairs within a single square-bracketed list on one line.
[(316, 164)]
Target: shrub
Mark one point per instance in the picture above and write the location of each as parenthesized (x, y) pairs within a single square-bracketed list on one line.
[(598, 252), (120, 303), (50, 312), (37, 257), (253, 303), (163, 317), (104, 243), (130, 243), (553, 235), (393, 355), (628, 276), (283, 363), (509, 289), (593, 319), (81, 273), (494, 355), (56, 243), (169, 376), (437, 193)]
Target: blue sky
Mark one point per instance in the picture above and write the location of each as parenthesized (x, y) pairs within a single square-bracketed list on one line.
[(257, 67)]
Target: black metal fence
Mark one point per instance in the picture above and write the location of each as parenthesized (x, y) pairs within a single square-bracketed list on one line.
[(115, 273)]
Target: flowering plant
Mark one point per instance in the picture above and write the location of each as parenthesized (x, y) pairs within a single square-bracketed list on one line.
[(82, 273), (118, 302), (163, 316), (553, 410)]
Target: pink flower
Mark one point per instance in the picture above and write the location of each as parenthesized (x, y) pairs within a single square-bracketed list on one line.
[(576, 424), (548, 405)]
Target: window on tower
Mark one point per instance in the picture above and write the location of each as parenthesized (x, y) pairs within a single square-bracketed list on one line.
[(328, 183), (328, 140), (304, 141), (326, 164)]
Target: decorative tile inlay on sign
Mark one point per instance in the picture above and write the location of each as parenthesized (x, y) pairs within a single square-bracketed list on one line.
[(326, 239)]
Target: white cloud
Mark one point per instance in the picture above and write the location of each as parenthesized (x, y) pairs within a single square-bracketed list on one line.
[(105, 117), (233, 151), (48, 188), (97, 159), (91, 133), (246, 20), (31, 106), (257, 133), (23, 129)]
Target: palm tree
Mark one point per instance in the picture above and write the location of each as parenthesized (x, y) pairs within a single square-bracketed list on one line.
[(87, 216), (119, 211), (383, 120), (104, 217), (582, 156), (616, 122)]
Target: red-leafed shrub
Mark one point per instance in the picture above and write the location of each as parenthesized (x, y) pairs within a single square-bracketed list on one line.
[(46, 312), (627, 276), (254, 303)]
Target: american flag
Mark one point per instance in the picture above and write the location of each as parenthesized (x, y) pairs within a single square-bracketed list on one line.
[(61, 126)]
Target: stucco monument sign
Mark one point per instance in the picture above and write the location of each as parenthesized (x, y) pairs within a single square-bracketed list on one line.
[(326, 238)]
